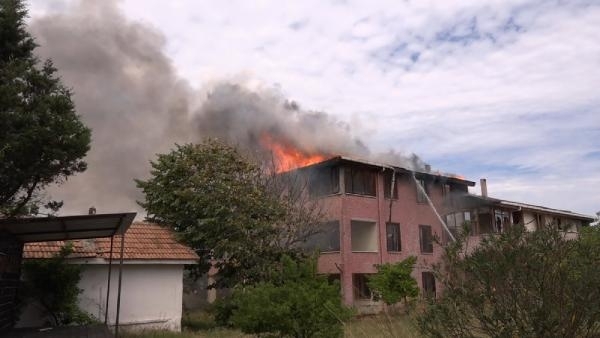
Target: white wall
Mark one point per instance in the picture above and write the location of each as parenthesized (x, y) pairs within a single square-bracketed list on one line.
[(151, 296)]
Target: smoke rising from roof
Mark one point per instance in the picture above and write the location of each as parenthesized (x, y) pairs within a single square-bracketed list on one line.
[(126, 89)]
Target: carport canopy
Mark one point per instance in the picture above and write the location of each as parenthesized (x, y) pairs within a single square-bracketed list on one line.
[(61, 228)]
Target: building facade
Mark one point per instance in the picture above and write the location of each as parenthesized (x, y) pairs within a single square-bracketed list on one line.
[(383, 214)]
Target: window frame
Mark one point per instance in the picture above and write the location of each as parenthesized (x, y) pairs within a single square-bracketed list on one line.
[(422, 194), (354, 175), (422, 244), (398, 246), (387, 182), (428, 279)]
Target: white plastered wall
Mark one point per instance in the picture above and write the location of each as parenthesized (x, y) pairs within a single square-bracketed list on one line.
[(151, 296)]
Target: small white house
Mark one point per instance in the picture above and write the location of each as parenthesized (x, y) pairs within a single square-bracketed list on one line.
[(152, 277)]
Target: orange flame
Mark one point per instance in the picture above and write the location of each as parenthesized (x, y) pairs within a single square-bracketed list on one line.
[(287, 156)]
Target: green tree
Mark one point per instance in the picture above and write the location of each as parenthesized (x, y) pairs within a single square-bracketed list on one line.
[(53, 284), (42, 139), (393, 281), (295, 303), (519, 284), (222, 204)]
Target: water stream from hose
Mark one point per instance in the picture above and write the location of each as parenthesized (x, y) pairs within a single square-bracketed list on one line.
[(422, 189)]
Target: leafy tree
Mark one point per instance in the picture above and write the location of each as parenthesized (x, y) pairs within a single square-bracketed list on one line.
[(295, 303), (519, 284), (53, 284), (42, 139), (223, 204), (393, 281)]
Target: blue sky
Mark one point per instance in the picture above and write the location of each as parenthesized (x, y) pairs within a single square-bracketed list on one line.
[(507, 90)]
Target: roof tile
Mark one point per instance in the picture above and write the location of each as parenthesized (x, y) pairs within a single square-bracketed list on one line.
[(143, 241)]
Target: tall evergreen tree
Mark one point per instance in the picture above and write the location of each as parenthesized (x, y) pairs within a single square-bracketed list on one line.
[(42, 140)]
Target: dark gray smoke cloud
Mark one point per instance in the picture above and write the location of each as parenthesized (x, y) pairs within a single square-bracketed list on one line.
[(126, 89)]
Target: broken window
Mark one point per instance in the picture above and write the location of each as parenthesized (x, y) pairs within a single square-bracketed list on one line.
[(422, 193), (426, 238), (363, 236), (393, 237), (360, 286), (324, 181), (388, 178), (360, 181), (485, 221), (428, 280), (326, 239), (501, 220), (456, 221), (446, 190)]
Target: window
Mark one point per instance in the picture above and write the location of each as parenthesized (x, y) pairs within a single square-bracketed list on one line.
[(360, 181), (363, 236), (501, 220), (360, 287), (393, 237), (327, 239), (422, 193), (426, 238), (324, 181), (455, 221), (446, 190), (428, 280), (388, 177)]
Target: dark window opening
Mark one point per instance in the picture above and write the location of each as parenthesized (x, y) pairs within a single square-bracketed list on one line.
[(394, 243), (360, 181), (426, 238), (446, 190), (422, 193), (387, 184), (428, 280), (326, 239), (516, 216), (324, 181), (485, 222), (360, 287)]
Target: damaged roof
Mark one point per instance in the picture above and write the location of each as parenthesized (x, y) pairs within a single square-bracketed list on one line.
[(339, 159), (143, 241)]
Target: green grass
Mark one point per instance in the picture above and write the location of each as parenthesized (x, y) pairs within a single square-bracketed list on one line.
[(201, 324)]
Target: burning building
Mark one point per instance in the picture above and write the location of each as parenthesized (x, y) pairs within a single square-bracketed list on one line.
[(378, 213)]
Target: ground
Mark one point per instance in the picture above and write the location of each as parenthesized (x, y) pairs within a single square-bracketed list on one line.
[(382, 326)]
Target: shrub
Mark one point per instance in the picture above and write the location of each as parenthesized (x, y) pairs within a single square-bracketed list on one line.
[(53, 284), (297, 302), (519, 284), (393, 281)]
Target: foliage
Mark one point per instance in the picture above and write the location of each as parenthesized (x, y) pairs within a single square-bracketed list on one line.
[(296, 302), (53, 283), (519, 284), (222, 204), (42, 140), (393, 281)]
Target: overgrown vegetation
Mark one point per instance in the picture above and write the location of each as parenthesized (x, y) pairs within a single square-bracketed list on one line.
[(52, 283), (296, 302), (519, 284), (228, 208), (42, 140), (393, 282)]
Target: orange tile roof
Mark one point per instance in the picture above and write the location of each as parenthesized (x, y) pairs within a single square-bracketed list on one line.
[(143, 241)]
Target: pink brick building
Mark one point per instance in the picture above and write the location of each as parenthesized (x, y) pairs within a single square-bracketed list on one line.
[(366, 227)]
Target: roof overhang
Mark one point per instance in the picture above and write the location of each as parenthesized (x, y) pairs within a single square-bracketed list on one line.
[(60, 228), (375, 165)]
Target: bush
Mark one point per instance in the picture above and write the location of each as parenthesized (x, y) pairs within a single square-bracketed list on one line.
[(296, 303), (393, 281), (519, 284), (53, 284)]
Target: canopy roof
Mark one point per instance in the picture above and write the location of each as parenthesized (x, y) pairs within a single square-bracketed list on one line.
[(41, 229)]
